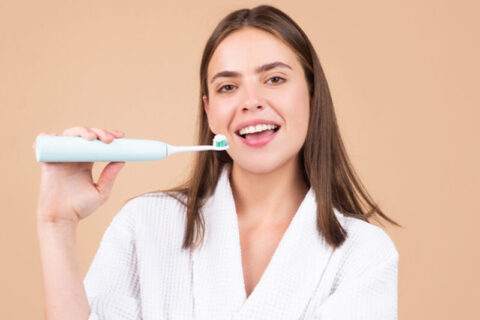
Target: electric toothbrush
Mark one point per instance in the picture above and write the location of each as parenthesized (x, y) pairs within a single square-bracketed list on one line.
[(78, 149)]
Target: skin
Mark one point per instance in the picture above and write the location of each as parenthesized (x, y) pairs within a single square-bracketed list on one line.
[(68, 194), (266, 182)]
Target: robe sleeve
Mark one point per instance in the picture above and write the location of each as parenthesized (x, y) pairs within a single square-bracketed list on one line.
[(370, 295), (112, 283)]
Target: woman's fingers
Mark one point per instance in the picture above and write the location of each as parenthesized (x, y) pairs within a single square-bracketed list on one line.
[(88, 133), (116, 133), (107, 177), (83, 132), (94, 133), (103, 134)]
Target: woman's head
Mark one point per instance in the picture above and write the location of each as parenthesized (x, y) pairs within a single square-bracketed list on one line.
[(244, 40), (242, 43), (254, 78)]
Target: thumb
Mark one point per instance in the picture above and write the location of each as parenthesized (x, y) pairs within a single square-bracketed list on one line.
[(107, 177)]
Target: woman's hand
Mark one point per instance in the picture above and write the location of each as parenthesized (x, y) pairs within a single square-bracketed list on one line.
[(67, 191)]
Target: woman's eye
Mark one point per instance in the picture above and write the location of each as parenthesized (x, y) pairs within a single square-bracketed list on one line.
[(277, 77), (225, 86)]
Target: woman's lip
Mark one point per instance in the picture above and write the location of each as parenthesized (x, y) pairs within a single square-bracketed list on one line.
[(258, 143), (254, 123)]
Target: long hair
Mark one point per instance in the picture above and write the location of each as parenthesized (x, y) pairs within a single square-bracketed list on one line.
[(326, 166)]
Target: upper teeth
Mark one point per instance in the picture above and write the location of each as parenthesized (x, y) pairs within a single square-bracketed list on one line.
[(257, 128)]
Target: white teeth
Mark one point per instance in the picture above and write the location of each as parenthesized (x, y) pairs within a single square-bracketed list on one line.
[(257, 128)]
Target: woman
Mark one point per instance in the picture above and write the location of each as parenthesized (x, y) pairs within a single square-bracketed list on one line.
[(273, 228)]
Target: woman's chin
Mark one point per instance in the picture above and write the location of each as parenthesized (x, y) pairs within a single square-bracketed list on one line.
[(256, 166)]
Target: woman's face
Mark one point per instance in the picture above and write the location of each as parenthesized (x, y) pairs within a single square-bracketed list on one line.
[(249, 95)]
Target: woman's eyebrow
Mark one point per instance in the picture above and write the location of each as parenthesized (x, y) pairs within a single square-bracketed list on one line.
[(259, 69)]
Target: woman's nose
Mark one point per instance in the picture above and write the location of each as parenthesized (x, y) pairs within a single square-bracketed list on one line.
[(252, 99), (257, 107)]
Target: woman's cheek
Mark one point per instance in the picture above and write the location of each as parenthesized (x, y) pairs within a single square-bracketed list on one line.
[(222, 117)]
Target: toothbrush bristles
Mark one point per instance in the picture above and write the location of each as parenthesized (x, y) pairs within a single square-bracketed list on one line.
[(220, 141)]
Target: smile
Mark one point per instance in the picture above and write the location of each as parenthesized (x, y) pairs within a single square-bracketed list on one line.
[(259, 138)]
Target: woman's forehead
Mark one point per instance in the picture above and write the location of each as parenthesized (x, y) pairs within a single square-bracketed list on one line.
[(247, 49)]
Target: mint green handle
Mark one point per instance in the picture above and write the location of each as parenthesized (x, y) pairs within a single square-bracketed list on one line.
[(78, 149)]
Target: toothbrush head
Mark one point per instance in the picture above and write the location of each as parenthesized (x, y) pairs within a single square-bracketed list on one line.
[(220, 141)]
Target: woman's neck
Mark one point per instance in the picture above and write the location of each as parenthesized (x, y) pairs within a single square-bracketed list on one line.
[(269, 198)]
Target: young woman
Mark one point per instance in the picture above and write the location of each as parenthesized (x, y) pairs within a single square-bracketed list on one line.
[(272, 228)]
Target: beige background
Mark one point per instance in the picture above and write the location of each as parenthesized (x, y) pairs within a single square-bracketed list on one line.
[(402, 76)]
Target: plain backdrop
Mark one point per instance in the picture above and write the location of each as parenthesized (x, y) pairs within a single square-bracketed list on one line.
[(404, 80)]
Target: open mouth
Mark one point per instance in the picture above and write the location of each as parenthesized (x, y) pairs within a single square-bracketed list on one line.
[(258, 135)]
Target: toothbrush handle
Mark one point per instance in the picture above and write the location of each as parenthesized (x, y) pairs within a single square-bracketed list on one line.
[(78, 149)]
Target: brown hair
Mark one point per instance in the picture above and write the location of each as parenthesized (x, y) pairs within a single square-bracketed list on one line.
[(326, 166)]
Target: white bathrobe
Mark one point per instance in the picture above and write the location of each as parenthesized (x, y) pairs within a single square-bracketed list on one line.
[(140, 271)]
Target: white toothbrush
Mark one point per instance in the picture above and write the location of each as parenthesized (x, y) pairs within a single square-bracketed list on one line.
[(78, 149)]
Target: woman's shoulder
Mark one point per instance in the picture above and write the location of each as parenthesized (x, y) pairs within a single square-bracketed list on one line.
[(154, 200), (368, 251), (159, 198), (365, 238)]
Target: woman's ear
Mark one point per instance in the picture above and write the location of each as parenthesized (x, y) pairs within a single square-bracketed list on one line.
[(207, 109), (205, 104)]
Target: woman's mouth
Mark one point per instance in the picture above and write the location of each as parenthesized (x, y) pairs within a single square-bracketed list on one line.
[(258, 139)]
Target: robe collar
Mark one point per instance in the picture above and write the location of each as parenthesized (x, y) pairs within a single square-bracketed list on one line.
[(287, 283)]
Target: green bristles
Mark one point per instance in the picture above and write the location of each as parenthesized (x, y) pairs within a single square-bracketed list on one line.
[(220, 141)]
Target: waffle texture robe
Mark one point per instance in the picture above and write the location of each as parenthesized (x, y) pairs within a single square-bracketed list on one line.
[(140, 271)]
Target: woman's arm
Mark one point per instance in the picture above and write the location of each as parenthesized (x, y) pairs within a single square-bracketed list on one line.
[(64, 293), (110, 289), (68, 194)]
